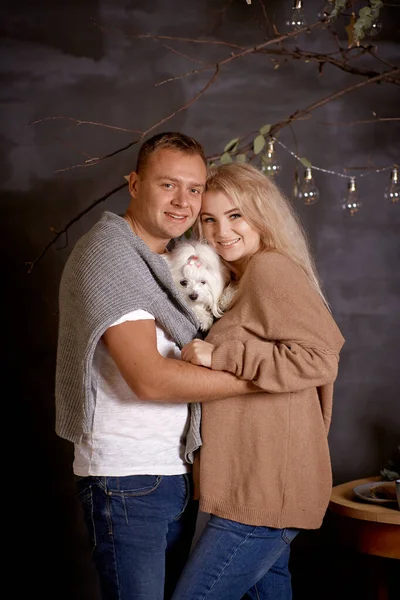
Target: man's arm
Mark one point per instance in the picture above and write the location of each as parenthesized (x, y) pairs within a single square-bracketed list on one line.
[(133, 347)]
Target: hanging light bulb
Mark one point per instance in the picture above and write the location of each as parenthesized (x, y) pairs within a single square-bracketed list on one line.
[(375, 28), (308, 192), (351, 203), (392, 191), (326, 10), (297, 18), (269, 163)]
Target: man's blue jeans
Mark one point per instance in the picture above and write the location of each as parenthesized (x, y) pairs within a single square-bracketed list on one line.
[(232, 561), (141, 528)]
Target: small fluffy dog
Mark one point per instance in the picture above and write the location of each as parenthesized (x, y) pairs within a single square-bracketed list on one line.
[(202, 278)]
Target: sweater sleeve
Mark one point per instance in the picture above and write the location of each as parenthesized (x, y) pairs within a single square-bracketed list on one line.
[(287, 339)]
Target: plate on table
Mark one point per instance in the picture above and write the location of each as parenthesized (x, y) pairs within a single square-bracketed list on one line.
[(377, 492)]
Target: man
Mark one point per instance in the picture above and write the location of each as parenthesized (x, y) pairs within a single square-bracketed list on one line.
[(121, 394)]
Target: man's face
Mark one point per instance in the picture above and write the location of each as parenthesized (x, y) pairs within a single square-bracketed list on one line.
[(166, 196)]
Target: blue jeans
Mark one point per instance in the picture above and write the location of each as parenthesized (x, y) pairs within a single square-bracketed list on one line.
[(141, 528), (232, 561)]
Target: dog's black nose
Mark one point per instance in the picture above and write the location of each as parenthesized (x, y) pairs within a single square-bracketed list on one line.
[(193, 296)]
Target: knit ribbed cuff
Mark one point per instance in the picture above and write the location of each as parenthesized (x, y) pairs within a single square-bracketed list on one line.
[(228, 356)]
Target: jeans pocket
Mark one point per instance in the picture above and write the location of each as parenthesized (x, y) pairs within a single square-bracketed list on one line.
[(133, 485), (84, 488), (289, 534)]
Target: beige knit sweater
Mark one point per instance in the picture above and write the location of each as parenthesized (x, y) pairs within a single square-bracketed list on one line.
[(265, 456)]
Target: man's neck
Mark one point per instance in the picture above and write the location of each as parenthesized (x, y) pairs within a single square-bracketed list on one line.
[(156, 246)]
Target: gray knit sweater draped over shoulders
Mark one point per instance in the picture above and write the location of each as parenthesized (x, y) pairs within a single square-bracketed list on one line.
[(109, 273)]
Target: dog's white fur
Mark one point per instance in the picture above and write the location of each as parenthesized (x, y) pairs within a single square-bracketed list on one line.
[(202, 279)]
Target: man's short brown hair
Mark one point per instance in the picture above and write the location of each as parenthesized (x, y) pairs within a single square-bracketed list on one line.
[(170, 140)]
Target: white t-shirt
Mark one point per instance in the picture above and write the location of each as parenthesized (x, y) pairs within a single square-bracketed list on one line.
[(131, 436)]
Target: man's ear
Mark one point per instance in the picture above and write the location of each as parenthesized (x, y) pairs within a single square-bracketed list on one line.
[(133, 183)]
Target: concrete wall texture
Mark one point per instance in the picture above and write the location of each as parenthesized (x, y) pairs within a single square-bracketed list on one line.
[(87, 61)]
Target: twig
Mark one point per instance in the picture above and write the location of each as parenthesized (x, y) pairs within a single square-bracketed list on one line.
[(79, 122), (363, 122), (32, 264), (305, 112), (95, 161), (63, 231), (372, 51), (199, 62), (323, 101), (242, 52), (267, 21), (296, 54), (172, 38)]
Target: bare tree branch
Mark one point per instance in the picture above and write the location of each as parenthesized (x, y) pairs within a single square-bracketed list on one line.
[(363, 122), (95, 161), (243, 52), (172, 38), (58, 234), (305, 112), (79, 122), (273, 47), (199, 62)]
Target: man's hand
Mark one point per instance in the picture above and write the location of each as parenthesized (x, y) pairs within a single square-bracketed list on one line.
[(198, 352)]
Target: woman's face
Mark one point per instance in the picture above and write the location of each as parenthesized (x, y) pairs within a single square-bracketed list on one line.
[(227, 231)]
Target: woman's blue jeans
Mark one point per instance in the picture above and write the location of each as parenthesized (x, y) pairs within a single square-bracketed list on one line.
[(141, 528), (232, 561)]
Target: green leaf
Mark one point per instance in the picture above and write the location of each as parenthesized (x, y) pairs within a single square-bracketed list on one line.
[(305, 162), (368, 22), (231, 146), (241, 158), (212, 164), (258, 144), (265, 129), (365, 11), (225, 158)]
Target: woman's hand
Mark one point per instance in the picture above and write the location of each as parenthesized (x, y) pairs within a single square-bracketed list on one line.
[(198, 352)]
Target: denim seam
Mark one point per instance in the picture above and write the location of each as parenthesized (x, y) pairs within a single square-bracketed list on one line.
[(136, 493), (92, 520), (228, 562), (111, 533), (187, 498), (285, 537)]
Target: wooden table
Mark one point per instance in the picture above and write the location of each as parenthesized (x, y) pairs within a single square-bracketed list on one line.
[(372, 529)]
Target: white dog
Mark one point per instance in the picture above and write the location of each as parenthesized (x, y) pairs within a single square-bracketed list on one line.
[(202, 278)]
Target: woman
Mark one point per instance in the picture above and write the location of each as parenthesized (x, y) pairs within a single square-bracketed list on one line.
[(264, 466)]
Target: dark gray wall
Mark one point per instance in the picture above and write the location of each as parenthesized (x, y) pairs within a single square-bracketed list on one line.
[(81, 59)]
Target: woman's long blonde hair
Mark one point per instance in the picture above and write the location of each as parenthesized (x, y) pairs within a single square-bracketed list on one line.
[(266, 209)]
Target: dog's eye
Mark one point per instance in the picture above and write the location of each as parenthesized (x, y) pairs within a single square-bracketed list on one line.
[(183, 282), (203, 282)]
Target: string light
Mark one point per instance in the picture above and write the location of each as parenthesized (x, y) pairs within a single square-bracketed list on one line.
[(351, 203), (375, 28), (297, 18), (269, 162), (328, 7), (392, 190), (308, 192)]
